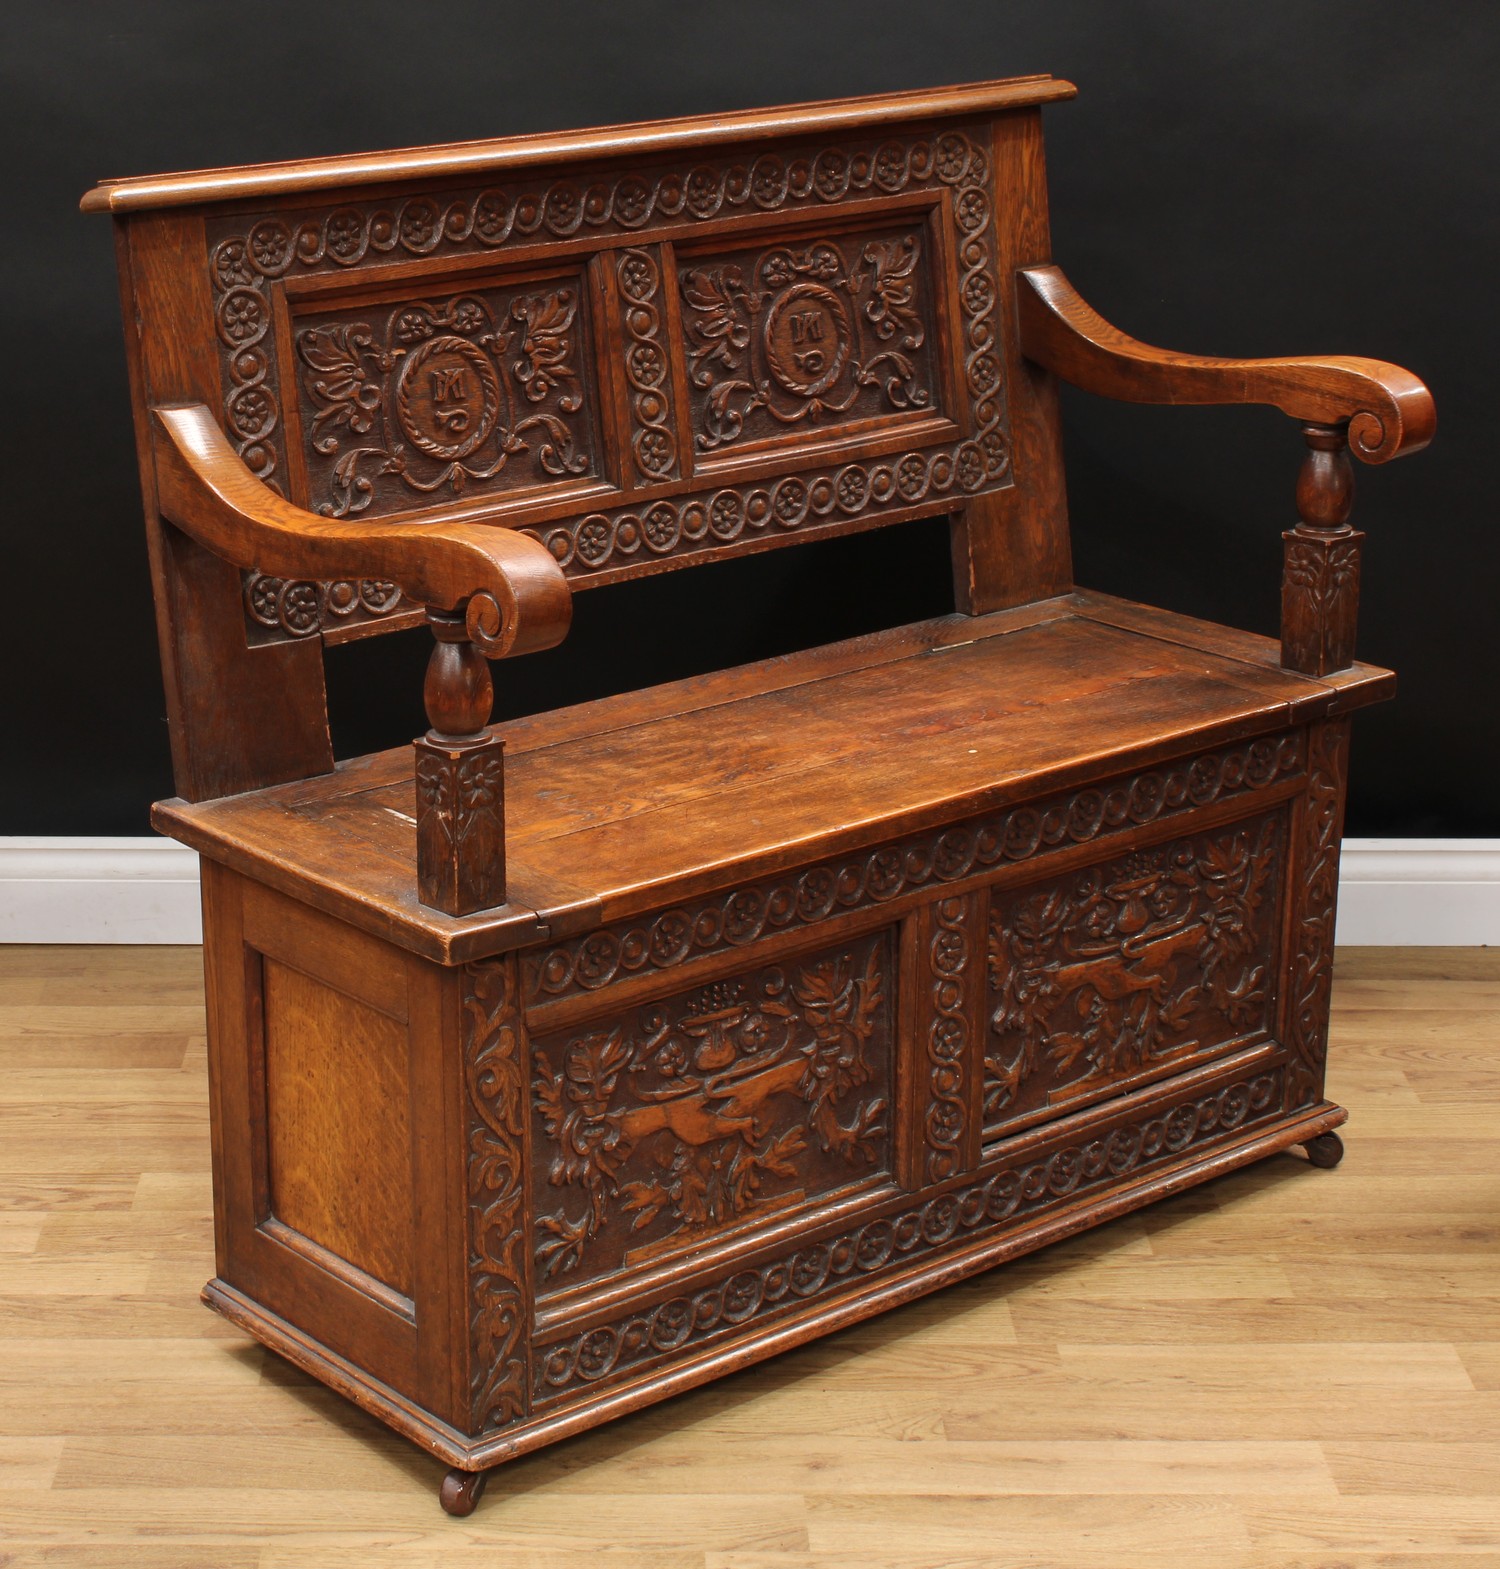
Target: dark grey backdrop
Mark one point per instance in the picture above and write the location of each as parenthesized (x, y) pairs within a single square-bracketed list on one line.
[(1276, 177)]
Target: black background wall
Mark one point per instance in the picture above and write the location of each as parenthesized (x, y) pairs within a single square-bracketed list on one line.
[(1276, 177)]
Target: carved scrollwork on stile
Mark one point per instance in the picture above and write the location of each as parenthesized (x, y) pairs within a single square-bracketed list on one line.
[(1135, 1144), (1103, 974), (664, 1125), (743, 915), (1325, 572), (648, 371), (952, 972), (1315, 907), (495, 1080)]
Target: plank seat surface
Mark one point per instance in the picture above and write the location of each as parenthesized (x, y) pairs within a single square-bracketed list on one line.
[(630, 802)]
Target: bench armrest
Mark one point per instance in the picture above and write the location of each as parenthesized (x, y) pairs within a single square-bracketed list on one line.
[(514, 596), (1388, 410)]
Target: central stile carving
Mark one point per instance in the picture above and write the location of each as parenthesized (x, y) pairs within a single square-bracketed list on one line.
[(712, 1108), (805, 334)]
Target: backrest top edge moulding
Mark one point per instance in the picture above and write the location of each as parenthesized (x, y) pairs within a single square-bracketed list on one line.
[(565, 147)]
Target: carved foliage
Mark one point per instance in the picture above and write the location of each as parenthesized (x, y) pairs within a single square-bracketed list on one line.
[(441, 396), (953, 974), (1320, 599), (653, 447), (667, 1124), (495, 1080), (1135, 1144), (743, 915), (1103, 974), (803, 333), (1314, 908)]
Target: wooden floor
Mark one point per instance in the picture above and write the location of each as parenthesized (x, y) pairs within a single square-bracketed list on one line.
[(1290, 1368)]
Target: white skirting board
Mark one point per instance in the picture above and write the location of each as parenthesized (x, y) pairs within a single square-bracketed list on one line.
[(1435, 893)]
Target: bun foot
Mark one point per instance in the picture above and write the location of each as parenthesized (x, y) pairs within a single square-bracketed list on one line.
[(462, 1490), (1326, 1150)]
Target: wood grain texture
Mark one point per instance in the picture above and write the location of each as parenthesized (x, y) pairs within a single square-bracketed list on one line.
[(1195, 1369)]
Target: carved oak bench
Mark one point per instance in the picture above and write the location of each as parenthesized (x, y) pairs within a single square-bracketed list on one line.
[(658, 1034)]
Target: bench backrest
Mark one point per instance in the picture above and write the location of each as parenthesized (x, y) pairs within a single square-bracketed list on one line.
[(646, 347)]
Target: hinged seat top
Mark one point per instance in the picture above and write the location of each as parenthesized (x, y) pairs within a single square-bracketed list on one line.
[(634, 802)]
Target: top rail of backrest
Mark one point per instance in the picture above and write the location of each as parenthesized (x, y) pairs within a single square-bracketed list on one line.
[(646, 345)]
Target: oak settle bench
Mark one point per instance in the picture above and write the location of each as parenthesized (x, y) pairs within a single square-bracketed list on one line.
[(557, 1070)]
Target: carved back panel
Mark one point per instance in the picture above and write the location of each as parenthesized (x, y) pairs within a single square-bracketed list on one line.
[(645, 347), (644, 361)]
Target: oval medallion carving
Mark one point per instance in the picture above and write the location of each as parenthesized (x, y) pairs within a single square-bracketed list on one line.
[(447, 397), (807, 338)]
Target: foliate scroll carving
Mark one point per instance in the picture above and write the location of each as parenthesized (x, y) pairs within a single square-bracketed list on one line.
[(495, 1082), (663, 1126), (806, 333), (460, 824), (1135, 1144), (1314, 909), (1104, 974), (648, 372), (1319, 599), (743, 915), (954, 975), (438, 397)]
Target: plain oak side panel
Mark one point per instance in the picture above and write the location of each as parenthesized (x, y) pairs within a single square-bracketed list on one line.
[(1011, 546), (338, 1124)]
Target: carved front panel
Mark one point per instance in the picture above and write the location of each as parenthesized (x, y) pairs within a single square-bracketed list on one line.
[(808, 334), (414, 401), (660, 1127), (1100, 977), (1007, 1197)]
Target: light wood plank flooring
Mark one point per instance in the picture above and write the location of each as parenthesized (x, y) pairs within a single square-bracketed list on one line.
[(1289, 1368)]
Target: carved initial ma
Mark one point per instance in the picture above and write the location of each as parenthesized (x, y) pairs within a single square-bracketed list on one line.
[(450, 386)]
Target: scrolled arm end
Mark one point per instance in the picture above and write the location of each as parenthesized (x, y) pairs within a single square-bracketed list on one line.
[(514, 596), (1389, 412)]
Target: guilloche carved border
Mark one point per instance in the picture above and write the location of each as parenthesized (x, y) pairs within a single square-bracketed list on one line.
[(496, 1102), (1133, 1147), (955, 972), (743, 915)]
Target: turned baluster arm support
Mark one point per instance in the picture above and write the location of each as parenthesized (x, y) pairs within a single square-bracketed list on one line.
[(1345, 404), (489, 592)]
